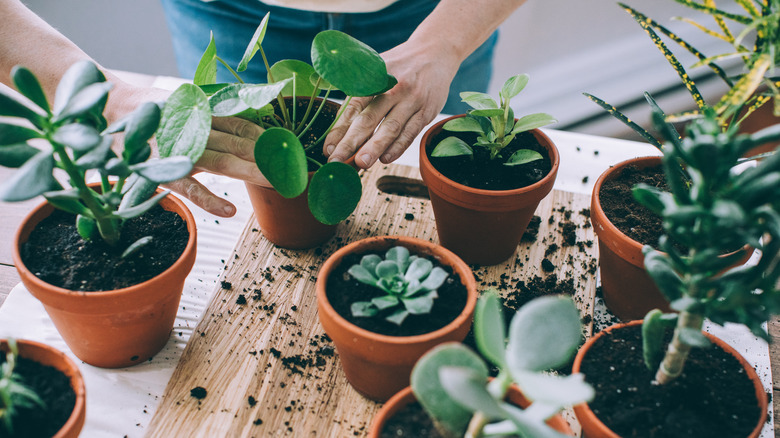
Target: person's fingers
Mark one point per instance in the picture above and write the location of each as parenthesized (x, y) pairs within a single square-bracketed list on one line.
[(196, 192), (234, 136), (334, 137), (364, 126), (230, 165), (402, 142)]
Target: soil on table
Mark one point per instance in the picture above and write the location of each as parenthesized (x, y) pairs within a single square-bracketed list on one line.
[(320, 125), (56, 253), (53, 387), (712, 398), (343, 290), (483, 173)]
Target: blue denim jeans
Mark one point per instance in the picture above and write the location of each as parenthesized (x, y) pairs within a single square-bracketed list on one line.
[(291, 31)]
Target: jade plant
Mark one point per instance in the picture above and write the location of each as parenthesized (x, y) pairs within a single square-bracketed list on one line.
[(339, 62), (14, 392), (451, 381), (409, 282), (71, 137), (716, 210), (495, 125)]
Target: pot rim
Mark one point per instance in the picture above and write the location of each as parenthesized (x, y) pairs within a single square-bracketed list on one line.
[(415, 245)]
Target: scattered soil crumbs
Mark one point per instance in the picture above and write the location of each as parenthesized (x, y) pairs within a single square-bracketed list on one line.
[(198, 392)]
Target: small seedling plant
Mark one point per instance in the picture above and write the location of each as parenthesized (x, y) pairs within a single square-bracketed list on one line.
[(495, 125), (71, 137), (717, 209), (14, 393), (451, 381), (409, 282), (338, 62)]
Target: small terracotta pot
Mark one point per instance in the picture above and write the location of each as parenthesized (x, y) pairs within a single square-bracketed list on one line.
[(482, 226), (592, 427), (117, 328), (376, 365), (46, 355), (288, 223), (629, 291), (405, 397)]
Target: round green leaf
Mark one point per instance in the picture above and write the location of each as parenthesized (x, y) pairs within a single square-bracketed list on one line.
[(226, 102), (489, 328), (258, 96), (76, 78), (296, 70), (523, 156), (334, 192), (90, 99), (350, 65), (140, 127), (165, 169), (532, 121), (27, 84), (452, 147), (77, 136), (280, 157), (185, 123), (463, 124), (478, 100)]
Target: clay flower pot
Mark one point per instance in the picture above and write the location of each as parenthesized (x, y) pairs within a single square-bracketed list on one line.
[(592, 427), (405, 397), (116, 328), (46, 355), (482, 226), (629, 291), (378, 365)]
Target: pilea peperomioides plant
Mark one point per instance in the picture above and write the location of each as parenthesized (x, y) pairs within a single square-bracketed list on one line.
[(410, 283), (14, 393), (339, 62), (494, 123), (73, 136), (451, 381), (717, 209)]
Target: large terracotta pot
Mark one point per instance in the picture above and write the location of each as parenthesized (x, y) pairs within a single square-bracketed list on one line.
[(46, 355), (482, 226), (592, 427), (377, 365), (116, 328), (405, 397)]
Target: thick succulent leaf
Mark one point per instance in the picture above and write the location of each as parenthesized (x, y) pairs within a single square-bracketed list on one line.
[(478, 100), (463, 124), (543, 334), (435, 279), (418, 269), (27, 84), (523, 156), (532, 121), (98, 156), (400, 255), (258, 96), (469, 388), (397, 317), (654, 326), (68, 200), (139, 209), (452, 147), (13, 106), (349, 65), (79, 137), (164, 170), (298, 72), (490, 329), (185, 123), (76, 78), (254, 44), (140, 127), (11, 134), (363, 275), (369, 261), (32, 179), (280, 157), (384, 302), (363, 309), (16, 154), (420, 305), (387, 269), (513, 86), (136, 246), (653, 198), (555, 390), (136, 191), (87, 227), (90, 99), (226, 102), (206, 72), (661, 270), (693, 337), (529, 422), (428, 390), (334, 192)]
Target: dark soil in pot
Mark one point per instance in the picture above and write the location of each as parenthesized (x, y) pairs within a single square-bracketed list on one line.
[(53, 387), (321, 124), (487, 174), (713, 397), (57, 254), (343, 290), (411, 421)]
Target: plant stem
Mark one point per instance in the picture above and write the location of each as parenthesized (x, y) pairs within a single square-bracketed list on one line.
[(341, 111), (497, 388), (279, 98), (308, 110), (677, 352), (233, 72)]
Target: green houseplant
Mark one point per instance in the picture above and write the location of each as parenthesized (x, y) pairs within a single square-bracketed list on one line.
[(715, 208), (54, 148), (486, 179), (451, 381), (290, 109)]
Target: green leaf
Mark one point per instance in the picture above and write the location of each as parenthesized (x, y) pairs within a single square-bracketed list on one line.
[(140, 127), (420, 305), (653, 329), (164, 170), (435, 279), (385, 302), (27, 84), (280, 157), (463, 124), (297, 71), (16, 154), (137, 210), (138, 190), (369, 262), (91, 99), (418, 269), (452, 147), (387, 269), (226, 102), (559, 391), (625, 120), (98, 156), (11, 134), (399, 255), (254, 44), (469, 388), (136, 246), (334, 192), (543, 334), (397, 317), (349, 65), (478, 100), (661, 269), (523, 156), (210, 89), (363, 309), (513, 86), (206, 72), (79, 76), (32, 179), (693, 337), (68, 200), (87, 227), (655, 199), (77, 136), (363, 275), (429, 392), (489, 328), (13, 106), (532, 121), (258, 96), (487, 113), (185, 123)]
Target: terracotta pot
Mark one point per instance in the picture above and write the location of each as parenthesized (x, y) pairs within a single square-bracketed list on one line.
[(405, 397), (117, 328), (377, 365), (629, 291), (593, 427), (46, 355), (288, 223), (482, 226)]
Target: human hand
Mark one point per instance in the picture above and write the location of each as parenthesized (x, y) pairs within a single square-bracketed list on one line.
[(387, 124)]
